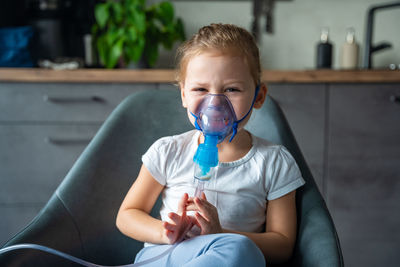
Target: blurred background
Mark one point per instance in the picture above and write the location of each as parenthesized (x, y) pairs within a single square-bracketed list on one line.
[(296, 27), (346, 119)]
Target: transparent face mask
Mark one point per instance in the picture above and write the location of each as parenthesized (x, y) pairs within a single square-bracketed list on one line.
[(215, 116)]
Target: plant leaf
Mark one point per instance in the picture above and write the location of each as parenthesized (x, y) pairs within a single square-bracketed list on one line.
[(166, 12), (151, 53), (115, 53), (118, 11), (102, 49), (138, 18), (101, 13), (131, 33), (180, 29), (111, 37), (134, 52)]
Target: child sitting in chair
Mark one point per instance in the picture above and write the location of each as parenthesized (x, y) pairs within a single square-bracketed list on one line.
[(246, 215)]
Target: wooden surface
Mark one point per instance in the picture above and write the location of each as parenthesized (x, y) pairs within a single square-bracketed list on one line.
[(167, 76)]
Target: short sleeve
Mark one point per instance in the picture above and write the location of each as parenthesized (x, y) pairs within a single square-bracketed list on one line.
[(156, 157), (285, 175)]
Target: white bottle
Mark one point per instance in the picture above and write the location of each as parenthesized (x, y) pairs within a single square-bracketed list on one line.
[(349, 52)]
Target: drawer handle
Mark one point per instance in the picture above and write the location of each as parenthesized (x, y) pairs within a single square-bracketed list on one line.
[(67, 141), (69, 99), (395, 99)]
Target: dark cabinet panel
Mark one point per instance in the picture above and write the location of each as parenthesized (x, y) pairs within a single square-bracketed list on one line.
[(44, 127), (304, 107), (37, 157), (51, 102), (363, 183)]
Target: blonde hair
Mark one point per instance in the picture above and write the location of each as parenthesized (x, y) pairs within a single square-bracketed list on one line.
[(226, 39)]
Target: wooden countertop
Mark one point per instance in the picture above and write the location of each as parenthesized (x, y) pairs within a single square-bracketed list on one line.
[(167, 76)]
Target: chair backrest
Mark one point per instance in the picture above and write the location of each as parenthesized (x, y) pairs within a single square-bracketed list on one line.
[(80, 217)]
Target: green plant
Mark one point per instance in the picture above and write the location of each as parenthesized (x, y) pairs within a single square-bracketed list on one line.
[(128, 30)]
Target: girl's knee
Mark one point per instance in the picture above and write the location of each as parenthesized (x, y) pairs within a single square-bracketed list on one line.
[(244, 249), (241, 241)]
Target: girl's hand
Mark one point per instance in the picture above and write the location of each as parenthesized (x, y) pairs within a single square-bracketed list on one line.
[(206, 215), (180, 223)]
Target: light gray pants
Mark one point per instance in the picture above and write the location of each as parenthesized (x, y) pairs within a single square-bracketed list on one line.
[(206, 250)]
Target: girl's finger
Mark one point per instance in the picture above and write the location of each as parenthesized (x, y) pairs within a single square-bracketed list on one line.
[(201, 221), (174, 217), (182, 203), (194, 221), (202, 207), (203, 196), (192, 207), (171, 236), (169, 226)]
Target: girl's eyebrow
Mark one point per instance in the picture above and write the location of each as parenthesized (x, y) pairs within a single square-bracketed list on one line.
[(205, 84), (197, 84), (235, 81)]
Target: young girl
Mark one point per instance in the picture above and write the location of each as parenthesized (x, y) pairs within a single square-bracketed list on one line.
[(246, 215)]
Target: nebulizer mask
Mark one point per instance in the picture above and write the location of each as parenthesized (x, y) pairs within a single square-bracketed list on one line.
[(216, 119)]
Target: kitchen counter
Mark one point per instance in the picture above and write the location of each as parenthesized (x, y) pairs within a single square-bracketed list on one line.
[(167, 76)]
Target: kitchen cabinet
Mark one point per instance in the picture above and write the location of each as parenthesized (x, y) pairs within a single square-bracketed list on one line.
[(363, 171), (304, 107), (44, 127)]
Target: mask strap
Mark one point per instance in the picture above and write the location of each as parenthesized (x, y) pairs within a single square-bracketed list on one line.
[(195, 121), (236, 123)]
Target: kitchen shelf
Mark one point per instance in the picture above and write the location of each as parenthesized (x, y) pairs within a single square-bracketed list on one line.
[(167, 76)]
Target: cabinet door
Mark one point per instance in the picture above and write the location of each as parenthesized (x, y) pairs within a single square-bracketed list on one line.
[(33, 161), (363, 185), (64, 102), (304, 108), (35, 158)]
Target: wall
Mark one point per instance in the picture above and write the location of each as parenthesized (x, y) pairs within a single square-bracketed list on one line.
[(297, 28)]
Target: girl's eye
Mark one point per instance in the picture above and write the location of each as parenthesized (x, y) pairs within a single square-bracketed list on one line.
[(200, 89), (231, 89)]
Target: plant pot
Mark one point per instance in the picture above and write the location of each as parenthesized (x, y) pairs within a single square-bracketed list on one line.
[(141, 64)]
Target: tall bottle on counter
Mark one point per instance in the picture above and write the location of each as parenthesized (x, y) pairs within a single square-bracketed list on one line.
[(349, 51), (324, 51)]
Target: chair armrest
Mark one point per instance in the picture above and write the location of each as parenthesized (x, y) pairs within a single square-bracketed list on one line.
[(317, 240), (52, 227)]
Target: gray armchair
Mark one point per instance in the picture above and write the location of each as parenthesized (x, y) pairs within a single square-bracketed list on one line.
[(79, 219)]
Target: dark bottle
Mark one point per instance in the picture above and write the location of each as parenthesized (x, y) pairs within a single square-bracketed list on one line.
[(324, 51)]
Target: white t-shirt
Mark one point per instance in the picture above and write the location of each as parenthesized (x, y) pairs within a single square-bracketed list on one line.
[(241, 188)]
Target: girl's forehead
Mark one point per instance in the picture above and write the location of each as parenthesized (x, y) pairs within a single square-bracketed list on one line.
[(211, 65)]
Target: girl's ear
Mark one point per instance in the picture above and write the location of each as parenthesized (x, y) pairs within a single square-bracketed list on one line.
[(262, 94), (184, 103)]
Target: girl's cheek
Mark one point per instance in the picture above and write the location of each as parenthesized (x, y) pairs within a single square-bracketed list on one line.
[(238, 109), (193, 103)]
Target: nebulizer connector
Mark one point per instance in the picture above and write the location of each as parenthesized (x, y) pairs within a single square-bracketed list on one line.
[(205, 160)]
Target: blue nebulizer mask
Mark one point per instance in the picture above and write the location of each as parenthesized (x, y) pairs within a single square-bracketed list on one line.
[(216, 118)]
